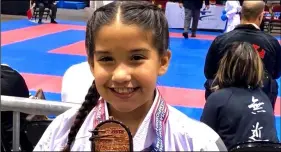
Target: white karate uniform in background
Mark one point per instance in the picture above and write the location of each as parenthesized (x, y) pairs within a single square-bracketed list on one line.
[(181, 133), (232, 8), (94, 5), (97, 4), (76, 82)]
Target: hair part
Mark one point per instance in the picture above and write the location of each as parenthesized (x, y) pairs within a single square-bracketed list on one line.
[(241, 66), (251, 10), (141, 13)]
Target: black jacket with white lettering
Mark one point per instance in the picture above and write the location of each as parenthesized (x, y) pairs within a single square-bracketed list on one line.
[(231, 113)]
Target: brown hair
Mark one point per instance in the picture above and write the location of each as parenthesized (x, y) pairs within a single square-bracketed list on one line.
[(241, 66)]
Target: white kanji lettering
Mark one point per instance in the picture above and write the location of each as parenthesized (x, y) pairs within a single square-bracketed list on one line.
[(256, 106), (256, 132)]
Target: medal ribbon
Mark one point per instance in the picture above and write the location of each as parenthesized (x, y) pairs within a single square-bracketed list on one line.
[(159, 118)]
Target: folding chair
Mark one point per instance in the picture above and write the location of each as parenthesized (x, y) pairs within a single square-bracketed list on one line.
[(46, 13), (257, 147)]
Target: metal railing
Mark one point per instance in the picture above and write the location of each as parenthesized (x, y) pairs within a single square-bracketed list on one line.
[(30, 106)]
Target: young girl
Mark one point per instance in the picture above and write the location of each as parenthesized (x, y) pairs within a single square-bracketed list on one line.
[(238, 110), (127, 48)]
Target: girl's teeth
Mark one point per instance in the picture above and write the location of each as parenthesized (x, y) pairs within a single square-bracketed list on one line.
[(124, 90)]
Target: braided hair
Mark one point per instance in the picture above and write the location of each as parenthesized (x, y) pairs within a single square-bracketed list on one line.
[(141, 13), (90, 102)]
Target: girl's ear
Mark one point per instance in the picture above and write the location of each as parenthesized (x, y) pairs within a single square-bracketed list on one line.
[(164, 62)]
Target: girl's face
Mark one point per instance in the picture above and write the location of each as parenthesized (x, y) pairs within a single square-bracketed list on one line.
[(126, 66)]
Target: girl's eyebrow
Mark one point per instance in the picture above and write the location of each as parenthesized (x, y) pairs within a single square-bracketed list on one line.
[(97, 52), (139, 50)]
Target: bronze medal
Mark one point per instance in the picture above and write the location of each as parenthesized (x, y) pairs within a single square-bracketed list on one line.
[(111, 135)]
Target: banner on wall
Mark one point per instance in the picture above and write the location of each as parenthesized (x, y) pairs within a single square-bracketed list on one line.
[(209, 18)]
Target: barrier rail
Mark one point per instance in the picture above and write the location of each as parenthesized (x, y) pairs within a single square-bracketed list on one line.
[(30, 106)]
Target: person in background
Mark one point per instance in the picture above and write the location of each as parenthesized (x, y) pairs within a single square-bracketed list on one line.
[(13, 84), (231, 14), (270, 4), (75, 83), (42, 4), (265, 44), (239, 107), (192, 10)]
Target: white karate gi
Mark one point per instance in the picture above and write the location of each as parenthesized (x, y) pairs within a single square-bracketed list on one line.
[(232, 8), (76, 82), (181, 133)]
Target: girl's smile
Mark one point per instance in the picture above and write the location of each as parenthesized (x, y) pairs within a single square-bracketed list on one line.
[(124, 93)]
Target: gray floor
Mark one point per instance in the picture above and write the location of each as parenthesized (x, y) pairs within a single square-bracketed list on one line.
[(9, 17)]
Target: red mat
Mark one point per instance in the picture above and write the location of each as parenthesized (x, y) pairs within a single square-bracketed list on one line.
[(22, 34), (174, 96), (77, 48)]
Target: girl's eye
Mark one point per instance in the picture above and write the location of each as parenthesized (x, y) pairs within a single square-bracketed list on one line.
[(137, 57), (105, 59)]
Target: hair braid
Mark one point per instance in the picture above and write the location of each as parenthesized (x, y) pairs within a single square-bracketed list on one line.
[(90, 102)]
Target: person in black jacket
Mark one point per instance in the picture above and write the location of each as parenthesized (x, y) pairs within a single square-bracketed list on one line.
[(13, 84), (42, 4), (239, 111), (248, 31), (192, 10)]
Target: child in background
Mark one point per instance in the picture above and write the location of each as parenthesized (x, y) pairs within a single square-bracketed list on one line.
[(127, 47), (75, 83), (238, 110)]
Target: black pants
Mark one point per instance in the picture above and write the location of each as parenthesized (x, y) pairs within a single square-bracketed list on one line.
[(52, 7), (195, 15)]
